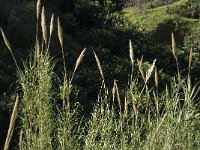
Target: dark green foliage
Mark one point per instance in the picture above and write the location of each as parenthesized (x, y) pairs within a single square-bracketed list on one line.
[(192, 41), (193, 6), (191, 9)]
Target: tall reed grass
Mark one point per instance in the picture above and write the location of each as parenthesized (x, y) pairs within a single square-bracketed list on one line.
[(144, 117)]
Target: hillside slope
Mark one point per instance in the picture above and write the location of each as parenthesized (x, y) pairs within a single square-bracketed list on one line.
[(161, 21)]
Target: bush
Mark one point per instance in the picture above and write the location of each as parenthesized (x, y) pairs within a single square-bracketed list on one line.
[(192, 41), (193, 6)]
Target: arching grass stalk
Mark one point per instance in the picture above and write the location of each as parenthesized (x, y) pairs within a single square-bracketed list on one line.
[(66, 102), (100, 70), (12, 123), (9, 48), (69, 131), (78, 61)]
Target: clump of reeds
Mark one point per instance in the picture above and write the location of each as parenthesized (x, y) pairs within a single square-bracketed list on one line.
[(36, 84), (68, 131), (143, 118)]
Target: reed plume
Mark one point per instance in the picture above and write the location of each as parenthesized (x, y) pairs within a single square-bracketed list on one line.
[(60, 37), (174, 46), (140, 68), (12, 124), (60, 34), (9, 48), (117, 94), (38, 8), (149, 71), (131, 52), (99, 65), (78, 61), (113, 92), (125, 107), (43, 25), (51, 24), (51, 30), (6, 41), (175, 54)]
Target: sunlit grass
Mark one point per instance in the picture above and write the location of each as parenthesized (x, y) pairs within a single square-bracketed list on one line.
[(150, 19)]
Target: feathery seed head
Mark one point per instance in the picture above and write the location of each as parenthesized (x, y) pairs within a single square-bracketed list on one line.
[(174, 46), (6, 40), (140, 67), (60, 34), (125, 107), (117, 94), (149, 71), (80, 58), (52, 24), (12, 124), (99, 65), (131, 52), (156, 77), (113, 91), (43, 24), (38, 8)]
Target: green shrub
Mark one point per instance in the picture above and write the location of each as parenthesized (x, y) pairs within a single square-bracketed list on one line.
[(193, 6), (192, 41)]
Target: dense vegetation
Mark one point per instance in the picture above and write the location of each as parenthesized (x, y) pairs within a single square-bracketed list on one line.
[(106, 98)]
